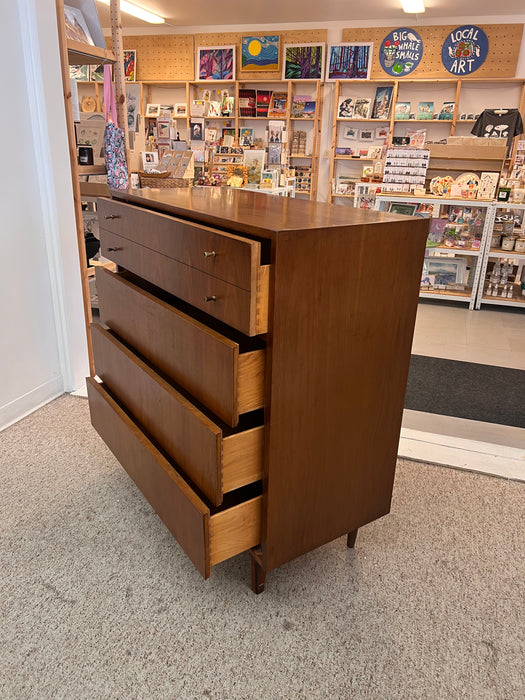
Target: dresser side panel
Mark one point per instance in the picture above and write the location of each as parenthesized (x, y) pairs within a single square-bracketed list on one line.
[(343, 306)]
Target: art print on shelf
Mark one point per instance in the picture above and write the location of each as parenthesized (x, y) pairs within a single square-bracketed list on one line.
[(303, 61), (349, 61), (367, 135), (350, 133), (152, 110), (382, 133), (425, 110), (382, 101), (447, 271), (180, 109), (401, 51), (150, 160), (447, 110), (254, 162), (362, 108), (260, 53), (79, 73), (464, 50), (345, 109), (130, 65), (96, 73), (488, 184), (76, 26), (216, 63), (402, 208)]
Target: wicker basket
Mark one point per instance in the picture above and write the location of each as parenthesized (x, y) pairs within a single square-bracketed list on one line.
[(163, 180)]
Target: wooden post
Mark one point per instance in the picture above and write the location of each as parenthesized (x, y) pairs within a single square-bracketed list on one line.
[(120, 90)]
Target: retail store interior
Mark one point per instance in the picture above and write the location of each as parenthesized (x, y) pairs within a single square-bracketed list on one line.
[(289, 303)]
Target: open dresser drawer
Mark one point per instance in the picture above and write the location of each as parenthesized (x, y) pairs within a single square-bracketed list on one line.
[(207, 537), (215, 459), (202, 361), (213, 270)]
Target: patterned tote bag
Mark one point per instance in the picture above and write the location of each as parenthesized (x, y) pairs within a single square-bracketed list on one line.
[(114, 140)]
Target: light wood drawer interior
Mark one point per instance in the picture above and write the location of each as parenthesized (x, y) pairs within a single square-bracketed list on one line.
[(207, 536), (202, 361), (216, 459)]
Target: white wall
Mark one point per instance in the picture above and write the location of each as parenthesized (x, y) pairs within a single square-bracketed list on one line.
[(42, 342)]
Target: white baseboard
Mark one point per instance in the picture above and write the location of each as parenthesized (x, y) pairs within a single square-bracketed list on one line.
[(458, 444), (36, 398)]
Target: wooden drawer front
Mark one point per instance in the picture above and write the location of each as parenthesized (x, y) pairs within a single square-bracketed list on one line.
[(235, 306), (184, 432), (228, 257), (202, 361), (207, 539)]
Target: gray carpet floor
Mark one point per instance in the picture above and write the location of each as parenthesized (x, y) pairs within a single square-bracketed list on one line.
[(98, 601)]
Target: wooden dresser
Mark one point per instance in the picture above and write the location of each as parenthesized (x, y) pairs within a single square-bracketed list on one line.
[(254, 355)]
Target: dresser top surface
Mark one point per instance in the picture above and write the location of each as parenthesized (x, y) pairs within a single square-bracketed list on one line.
[(252, 212)]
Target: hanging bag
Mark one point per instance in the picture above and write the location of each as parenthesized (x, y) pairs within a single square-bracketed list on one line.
[(114, 140)]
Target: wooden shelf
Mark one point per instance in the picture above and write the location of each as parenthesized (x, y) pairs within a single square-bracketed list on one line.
[(302, 119), (354, 158), (375, 121), (449, 152), (424, 121), (457, 294), (79, 53), (92, 170), (499, 253), (94, 189)]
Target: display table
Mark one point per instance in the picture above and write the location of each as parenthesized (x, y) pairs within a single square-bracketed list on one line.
[(254, 363)]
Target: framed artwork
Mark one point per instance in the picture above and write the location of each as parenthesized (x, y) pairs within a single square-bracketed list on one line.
[(152, 110), (180, 109), (367, 135), (76, 26), (260, 53), (446, 271), (487, 185), (345, 108), (362, 107), (382, 132), (254, 162), (382, 101), (349, 61), (96, 73), (402, 208), (79, 73), (303, 61), (150, 160), (163, 129), (425, 110), (130, 65), (350, 133), (216, 63), (91, 133), (133, 106)]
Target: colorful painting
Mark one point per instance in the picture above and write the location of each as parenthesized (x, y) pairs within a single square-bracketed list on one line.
[(216, 63), (303, 61), (464, 50), (130, 61), (349, 61), (260, 53), (401, 51)]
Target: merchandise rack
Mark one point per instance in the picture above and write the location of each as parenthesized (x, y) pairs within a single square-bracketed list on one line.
[(518, 300), (465, 296)]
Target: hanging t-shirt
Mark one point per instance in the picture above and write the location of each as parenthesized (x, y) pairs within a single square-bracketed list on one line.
[(493, 125)]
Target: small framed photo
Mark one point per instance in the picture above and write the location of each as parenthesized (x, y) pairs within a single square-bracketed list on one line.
[(130, 65), (382, 132), (215, 63), (163, 129), (303, 61), (180, 109), (402, 208), (350, 133), (349, 61), (150, 160), (366, 135), (152, 110), (260, 53)]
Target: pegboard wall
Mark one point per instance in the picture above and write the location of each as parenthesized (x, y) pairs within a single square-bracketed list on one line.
[(501, 62), (172, 56), (162, 56)]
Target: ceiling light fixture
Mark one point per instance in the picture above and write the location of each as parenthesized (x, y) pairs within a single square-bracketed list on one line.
[(138, 12), (413, 6)]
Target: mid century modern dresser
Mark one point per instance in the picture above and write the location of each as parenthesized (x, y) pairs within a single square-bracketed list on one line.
[(253, 354)]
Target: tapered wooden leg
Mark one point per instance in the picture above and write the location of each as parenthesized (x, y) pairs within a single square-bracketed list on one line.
[(350, 540), (258, 572)]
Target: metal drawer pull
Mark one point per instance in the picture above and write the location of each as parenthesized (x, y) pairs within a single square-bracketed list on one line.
[(212, 298), (112, 216), (209, 253), (115, 249)]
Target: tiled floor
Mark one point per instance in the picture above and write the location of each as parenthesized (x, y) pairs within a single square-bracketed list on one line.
[(487, 336)]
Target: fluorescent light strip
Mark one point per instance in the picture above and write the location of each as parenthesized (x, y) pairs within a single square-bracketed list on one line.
[(413, 6), (138, 12)]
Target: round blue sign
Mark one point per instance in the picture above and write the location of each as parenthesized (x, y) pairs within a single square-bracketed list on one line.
[(400, 51), (464, 50)]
